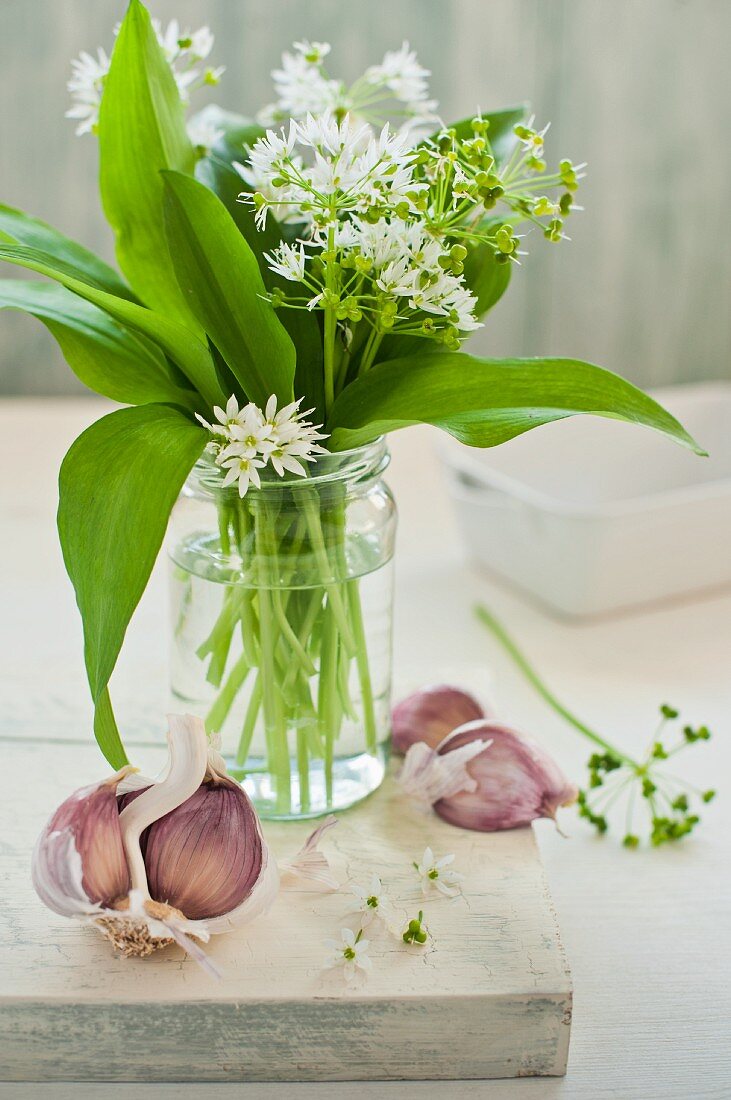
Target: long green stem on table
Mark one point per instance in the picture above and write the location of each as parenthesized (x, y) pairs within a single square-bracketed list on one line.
[(501, 635)]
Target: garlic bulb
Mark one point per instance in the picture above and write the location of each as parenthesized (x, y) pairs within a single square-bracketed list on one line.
[(430, 714), (514, 781), (180, 858), (486, 776)]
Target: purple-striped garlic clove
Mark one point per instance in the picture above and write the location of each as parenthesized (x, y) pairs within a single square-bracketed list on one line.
[(89, 821), (430, 714), (206, 856), (515, 780)]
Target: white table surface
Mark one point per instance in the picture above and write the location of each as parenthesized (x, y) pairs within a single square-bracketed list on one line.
[(648, 933)]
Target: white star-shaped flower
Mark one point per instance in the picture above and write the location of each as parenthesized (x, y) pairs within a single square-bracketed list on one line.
[(436, 874), (351, 953), (371, 900)]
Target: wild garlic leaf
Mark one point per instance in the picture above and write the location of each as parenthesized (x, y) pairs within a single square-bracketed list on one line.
[(485, 402), (112, 518)]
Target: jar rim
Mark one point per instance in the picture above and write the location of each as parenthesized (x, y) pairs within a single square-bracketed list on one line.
[(368, 460)]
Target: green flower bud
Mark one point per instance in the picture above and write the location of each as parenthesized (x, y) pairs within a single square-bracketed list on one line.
[(543, 206), (565, 203)]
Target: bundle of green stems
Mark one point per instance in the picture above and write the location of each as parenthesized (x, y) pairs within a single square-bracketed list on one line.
[(297, 611)]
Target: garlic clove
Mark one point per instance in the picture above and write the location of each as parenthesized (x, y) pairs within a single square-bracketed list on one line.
[(79, 858), (430, 715), (516, 781), (205, 857)]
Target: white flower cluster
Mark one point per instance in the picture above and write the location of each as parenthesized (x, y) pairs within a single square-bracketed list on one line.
[(183, 50), (362, 198), (406, 264), (246, 439), (303, 87), (321, 168)]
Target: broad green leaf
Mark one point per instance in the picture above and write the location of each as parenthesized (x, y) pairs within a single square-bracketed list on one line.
[(183, 346), (20, 228), (102, 353), (117, 486), (303, 326), (227, 184), (220, 276), (484, 402), (141, 131), (500, 132)]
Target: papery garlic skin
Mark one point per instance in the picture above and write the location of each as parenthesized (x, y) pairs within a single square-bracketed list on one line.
[(79, 857), (516, 781), (430, 714), (427, 777)]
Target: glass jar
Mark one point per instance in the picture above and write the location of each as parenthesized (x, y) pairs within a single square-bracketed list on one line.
[(281, 626)]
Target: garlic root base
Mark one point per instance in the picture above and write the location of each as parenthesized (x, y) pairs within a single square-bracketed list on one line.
[(131, 936)]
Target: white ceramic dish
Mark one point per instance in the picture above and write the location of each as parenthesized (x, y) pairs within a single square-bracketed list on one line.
[(590, 516)]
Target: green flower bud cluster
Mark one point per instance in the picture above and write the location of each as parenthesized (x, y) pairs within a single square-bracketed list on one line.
[(453, 261), (671, 814), (506, 244), (416, 930), (569, 176)]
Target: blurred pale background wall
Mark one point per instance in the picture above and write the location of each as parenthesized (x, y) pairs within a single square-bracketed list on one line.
[(639, 88)]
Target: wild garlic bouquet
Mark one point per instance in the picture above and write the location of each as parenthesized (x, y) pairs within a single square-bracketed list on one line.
[(292, 289)]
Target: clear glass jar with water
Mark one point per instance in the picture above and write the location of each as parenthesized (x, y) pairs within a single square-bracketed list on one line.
[(281, 627)]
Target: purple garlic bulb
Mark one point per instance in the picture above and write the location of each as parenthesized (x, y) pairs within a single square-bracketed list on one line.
[(179, 859), (430, 714), (516, 781)]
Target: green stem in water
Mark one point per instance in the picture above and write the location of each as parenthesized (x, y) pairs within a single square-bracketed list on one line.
[(303, 768), (311, 509), (275, 727), (224, 700), (328, 703), (364, 671), (500, 634), (252, 713)]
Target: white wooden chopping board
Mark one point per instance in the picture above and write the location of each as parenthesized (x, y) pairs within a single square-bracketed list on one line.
[(489, 997)]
